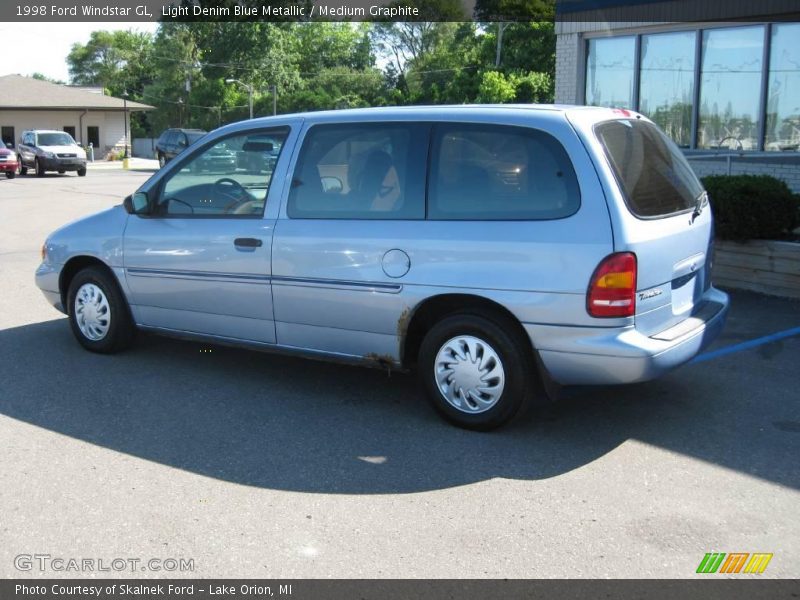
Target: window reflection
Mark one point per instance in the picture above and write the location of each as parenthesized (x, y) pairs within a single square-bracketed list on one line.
[(609, 72), (783, 104), (667, 83), (729, 88)]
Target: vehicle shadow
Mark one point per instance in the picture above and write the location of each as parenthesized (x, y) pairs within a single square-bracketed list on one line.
[(292, 424)]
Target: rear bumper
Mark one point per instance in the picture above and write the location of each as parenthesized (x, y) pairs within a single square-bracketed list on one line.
[(8, 165), (598, 356)]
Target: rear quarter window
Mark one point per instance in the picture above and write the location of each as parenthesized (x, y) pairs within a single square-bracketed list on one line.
[(655, 177), (491, 172)]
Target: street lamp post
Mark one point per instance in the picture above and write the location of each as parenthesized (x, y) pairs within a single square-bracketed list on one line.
[(249, 92), (274, 99), (125, 120)]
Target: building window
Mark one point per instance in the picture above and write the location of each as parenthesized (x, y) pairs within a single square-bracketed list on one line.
[(70, 130), (730, 84), (666, 83), (610, 72), (783, 104)]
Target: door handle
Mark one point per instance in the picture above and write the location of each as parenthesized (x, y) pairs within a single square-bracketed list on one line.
[(247, 242)]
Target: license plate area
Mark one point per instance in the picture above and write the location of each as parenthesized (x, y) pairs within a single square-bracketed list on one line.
[(684, 293)]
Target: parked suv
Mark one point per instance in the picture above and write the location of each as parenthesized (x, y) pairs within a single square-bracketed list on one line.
[(500, 251), (174, 141), (49, 150)]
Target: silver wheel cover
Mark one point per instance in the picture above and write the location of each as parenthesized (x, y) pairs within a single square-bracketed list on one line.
[(92, 312), (469, 374)]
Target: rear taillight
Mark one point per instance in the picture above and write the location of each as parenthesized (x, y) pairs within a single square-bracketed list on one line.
[(612, 289)]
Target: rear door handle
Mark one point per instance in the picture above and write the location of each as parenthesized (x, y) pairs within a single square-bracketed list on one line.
[(247, 242)]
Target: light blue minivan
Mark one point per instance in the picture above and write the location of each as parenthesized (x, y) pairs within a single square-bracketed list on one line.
[(501, 251)]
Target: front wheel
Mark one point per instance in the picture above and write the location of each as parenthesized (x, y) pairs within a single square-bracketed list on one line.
[(162, 161), (21, 169), (98, 314), (39, 168), (476, 371), (82, 172)]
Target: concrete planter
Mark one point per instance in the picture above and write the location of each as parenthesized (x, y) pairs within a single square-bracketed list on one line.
[(759, 265)]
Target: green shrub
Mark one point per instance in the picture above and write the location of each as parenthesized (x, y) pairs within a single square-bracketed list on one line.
[(749, 207)]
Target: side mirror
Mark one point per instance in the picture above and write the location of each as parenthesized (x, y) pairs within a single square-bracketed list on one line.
[(136, 204), (9, 145)]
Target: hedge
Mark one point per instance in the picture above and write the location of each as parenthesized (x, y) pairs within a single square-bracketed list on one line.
[(749, 207)]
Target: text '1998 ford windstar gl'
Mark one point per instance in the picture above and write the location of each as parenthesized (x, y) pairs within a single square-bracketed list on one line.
[(500, 250)]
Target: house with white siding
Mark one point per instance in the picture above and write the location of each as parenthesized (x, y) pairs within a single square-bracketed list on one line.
[(88, 116)]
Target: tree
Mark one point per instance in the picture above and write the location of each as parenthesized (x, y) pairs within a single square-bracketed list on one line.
[(114, 60), (42, 77)]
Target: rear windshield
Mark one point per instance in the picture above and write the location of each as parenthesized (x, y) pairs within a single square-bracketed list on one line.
[(654, 175)]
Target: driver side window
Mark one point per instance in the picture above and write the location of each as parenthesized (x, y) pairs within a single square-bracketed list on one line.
[(230, 178)]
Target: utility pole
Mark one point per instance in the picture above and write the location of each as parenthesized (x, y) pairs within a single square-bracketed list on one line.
[(274, 99), (249, 92)]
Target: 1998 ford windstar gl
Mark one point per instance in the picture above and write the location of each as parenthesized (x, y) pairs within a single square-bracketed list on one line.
[(500, 250)]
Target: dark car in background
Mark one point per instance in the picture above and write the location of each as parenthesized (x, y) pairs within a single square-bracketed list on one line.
[(174, 141)]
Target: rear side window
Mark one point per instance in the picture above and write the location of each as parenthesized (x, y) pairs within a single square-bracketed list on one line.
[(491, 172), (655, 177), (360, 171)]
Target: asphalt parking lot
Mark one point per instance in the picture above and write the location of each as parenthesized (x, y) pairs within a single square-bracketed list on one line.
[(255, 465)]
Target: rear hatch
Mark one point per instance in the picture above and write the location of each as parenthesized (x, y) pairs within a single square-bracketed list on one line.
[(664, 219)]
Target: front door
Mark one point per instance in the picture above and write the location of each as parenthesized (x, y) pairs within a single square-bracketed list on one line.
[(200, 261)]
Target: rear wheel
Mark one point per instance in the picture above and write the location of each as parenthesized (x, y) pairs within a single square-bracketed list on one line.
[(61, 171), (476, 370), (82, 172), (161, 160), (11, 174), (98, 313), (39, 168)]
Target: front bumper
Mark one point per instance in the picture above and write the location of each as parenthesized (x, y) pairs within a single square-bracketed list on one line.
[(600, 356), (47, 280), (63, 164)]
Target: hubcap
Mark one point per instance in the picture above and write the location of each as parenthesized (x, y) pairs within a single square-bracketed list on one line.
[(469, 374), (92, 312)]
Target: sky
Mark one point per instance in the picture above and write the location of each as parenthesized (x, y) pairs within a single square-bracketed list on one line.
[(46, 45)]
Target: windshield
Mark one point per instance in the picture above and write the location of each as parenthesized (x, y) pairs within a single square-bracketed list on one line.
[(652, 171), (193, 137), (54, 139)]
